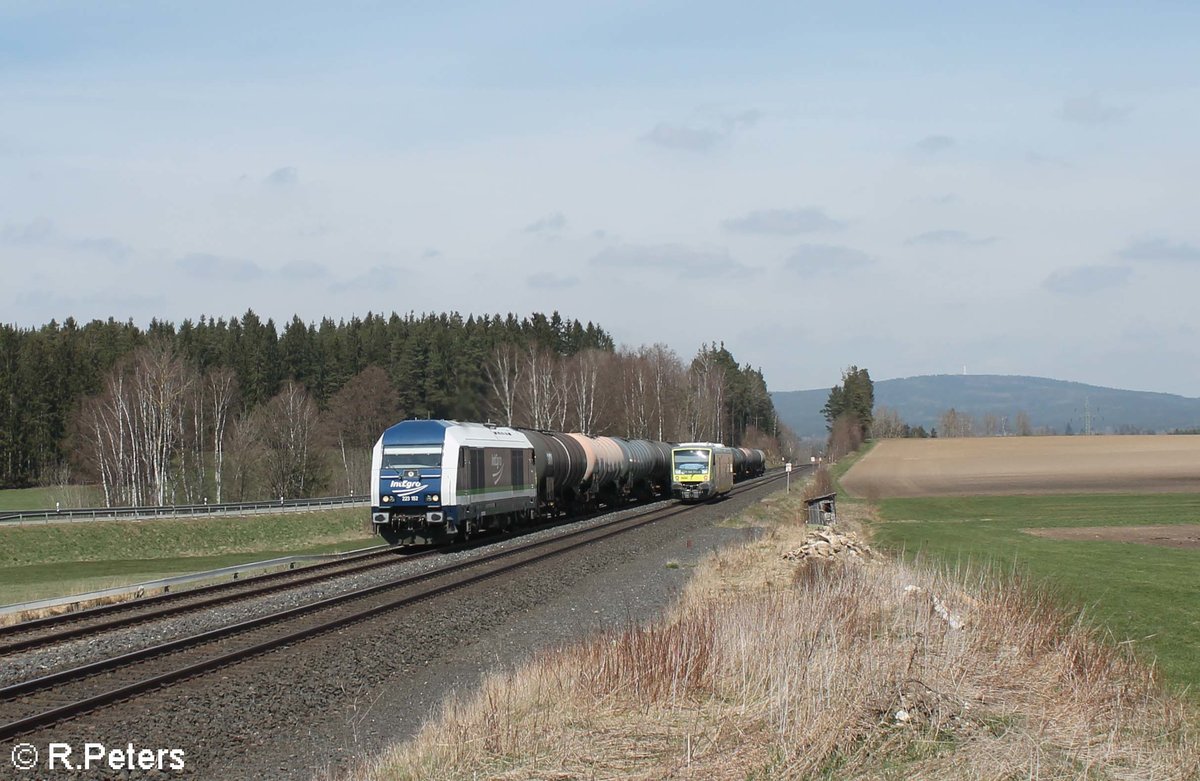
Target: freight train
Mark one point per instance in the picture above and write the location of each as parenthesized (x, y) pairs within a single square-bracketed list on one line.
[(440, 480)]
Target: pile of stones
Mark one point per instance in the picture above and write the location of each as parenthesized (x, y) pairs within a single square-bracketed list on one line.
[(823, 542)]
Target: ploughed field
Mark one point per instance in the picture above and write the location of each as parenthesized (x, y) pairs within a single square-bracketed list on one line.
[(1027, 465), (1111, 524)]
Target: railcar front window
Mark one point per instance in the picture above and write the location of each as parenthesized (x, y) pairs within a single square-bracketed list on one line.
[(403, 458), (691, 460)]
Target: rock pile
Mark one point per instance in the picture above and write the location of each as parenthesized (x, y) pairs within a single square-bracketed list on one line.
[(823, 542)]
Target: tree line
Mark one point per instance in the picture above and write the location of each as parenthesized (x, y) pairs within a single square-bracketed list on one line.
[(222, 410)]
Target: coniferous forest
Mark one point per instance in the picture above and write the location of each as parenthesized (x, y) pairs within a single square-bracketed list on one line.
[(240, 409)]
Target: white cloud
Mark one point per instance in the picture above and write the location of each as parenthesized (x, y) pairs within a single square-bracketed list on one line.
[(948, 238), (703, 135), (42, 232), (1160, 249), (1091, 110), (685, 138), (36, 231), (826, 259), (201, 265), (374, 279), (551, 223), (303, 269), (551, 281), (288, 176), (783, 222), (1082, 280), (685, 261), (932, 145)]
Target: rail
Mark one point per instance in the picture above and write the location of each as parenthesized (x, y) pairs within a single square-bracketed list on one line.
[(26, 517)]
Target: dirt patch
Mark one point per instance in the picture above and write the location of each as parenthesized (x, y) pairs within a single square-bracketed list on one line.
[(1172, 536), (1027, 465)]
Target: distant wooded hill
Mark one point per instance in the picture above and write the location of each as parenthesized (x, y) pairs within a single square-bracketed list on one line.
[(1052, 405)]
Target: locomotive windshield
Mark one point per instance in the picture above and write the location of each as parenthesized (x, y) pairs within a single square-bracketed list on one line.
[(691, 460), (406, 457)]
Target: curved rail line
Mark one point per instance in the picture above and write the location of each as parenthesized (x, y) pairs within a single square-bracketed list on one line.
[(41, 699)]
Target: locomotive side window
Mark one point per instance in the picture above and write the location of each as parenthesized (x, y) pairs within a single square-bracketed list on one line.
[(516, 468), (477, 458)]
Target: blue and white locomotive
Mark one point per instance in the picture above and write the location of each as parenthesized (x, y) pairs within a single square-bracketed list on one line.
[(439, 479)]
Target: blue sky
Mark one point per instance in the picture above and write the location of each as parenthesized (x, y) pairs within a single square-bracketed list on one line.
[(905, 187)]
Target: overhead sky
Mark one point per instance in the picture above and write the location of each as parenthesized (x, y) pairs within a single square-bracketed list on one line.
[(909, 187)]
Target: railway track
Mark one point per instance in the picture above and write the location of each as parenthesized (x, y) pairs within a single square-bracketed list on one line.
[(42, 632), (39, 702)]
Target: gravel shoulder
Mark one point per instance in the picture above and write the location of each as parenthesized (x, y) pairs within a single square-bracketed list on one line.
[(320, 708)]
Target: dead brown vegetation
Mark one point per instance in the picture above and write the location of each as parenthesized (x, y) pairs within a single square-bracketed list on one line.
[(862, 668)]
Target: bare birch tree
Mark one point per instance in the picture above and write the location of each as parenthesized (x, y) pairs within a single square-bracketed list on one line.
[(886, 423), (137, 426), (583, 389), (541, 387), (287, 427), (706, 401), (220, 392), (636, 394), (503, 371)]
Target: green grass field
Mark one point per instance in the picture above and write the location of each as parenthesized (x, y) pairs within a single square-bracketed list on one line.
[(17, 499), (60, 559), (1143, 593)]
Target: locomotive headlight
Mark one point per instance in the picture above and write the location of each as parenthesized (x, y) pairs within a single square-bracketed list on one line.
[(385, 499), (434, 497)]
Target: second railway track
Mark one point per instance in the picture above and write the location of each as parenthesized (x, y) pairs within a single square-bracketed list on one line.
[(68, 626)]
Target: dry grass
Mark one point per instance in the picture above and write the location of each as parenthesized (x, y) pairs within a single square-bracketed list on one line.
[(820, 484), (772, 669)]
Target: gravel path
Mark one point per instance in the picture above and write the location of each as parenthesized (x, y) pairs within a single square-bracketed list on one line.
[(322, 706)]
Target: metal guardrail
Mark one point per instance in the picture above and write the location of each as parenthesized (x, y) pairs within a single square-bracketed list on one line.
[(175, 510)]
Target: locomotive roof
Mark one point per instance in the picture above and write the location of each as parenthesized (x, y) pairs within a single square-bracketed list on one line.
[(434, 432), (417, 432)]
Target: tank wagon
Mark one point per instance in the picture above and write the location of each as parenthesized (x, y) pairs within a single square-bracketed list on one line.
[(435, 480), (748, 463)]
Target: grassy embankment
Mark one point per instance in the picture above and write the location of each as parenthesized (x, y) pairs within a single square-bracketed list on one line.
[(70, 558), (17, 499), (769, 668)]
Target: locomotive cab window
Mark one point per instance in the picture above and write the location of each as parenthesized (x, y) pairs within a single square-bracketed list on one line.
[(413, 456)]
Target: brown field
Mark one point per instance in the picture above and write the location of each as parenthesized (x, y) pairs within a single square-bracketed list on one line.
[(1174, 536), (1027, 465)]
